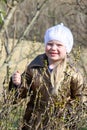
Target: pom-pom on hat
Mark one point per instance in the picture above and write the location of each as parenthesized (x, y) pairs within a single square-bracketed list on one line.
[(61, 33)]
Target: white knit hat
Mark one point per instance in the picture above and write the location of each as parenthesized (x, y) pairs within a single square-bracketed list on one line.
[(60, 33)]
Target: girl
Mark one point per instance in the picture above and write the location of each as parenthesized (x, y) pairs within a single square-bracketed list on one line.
[(54, 86)]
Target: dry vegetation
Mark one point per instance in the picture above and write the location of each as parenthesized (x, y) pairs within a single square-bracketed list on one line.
[(21, 56), (25, 21)]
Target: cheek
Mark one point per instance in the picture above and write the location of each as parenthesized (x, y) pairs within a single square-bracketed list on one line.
[(47, 48), (63, 51)]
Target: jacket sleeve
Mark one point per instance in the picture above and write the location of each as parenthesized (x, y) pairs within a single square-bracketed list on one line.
[(75, 103), (25, 87), (75, 106), (76, 86), (79, 89)]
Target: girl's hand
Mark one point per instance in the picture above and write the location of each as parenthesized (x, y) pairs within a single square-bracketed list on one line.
[(16, 78)]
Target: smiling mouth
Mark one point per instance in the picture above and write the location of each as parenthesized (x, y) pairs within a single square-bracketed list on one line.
[(53, 53)]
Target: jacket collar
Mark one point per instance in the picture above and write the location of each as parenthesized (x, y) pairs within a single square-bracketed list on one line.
[(39, 61), (42, 61)]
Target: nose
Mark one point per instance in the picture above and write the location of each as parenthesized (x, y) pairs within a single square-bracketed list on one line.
[(54, 47)]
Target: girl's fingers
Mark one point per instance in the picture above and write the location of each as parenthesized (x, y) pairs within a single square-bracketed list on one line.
[(16, 78)]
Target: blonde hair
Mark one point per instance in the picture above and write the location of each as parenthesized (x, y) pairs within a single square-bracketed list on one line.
[(57, 76)]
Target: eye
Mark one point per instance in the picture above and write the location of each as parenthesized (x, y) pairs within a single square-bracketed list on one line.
[(50, 44), (59, 45)]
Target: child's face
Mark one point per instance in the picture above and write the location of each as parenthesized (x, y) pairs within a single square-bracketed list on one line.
[(55, 51)]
